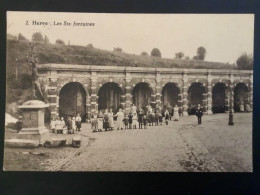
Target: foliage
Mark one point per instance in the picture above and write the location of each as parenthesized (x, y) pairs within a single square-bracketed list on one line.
[(245, 62), (59, 41), (22, 38), (179, 55), (118, 49), (47, 40), (90, 46), (11, 37), (201, 54), (156, 52), (144, 53), (37, 37)]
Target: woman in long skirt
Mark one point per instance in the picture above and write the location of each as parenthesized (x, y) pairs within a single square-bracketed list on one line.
[(119, 121), (111, 119), (176, 113), (242, 108), (106, 120), (100, 121)]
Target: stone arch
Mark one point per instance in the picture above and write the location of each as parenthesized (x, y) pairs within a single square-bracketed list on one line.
[(110, 96), (240, 95), (196, 93), (219, 97), (72, 100), (142, 95), (170, 94)]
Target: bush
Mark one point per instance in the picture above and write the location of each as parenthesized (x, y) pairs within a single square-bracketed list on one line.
[(26, 81), (59, 41), (53, 58), (118, 49), (18, 92), (156, 52)]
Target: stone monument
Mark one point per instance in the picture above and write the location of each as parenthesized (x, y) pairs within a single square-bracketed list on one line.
[(33, 121)]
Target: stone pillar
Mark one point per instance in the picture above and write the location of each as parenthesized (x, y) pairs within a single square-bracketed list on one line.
[(231, 97), (205, 101), (250, 94), (53, 101), (122, 100), (93, 94), (185, 95), (209, 99), (153, 100), (231, 93), (158, 95), (226, 99), (52, 94), (128, 95), (180, 102), (88, 108), (33, 121)]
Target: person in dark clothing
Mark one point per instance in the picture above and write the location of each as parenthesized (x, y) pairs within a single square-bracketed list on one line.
[(69, 125), (166, 114), (19, 124), (156, 118), (140, 119), (106, 120), (126, 121), (199, 113), (145, 121), (160, 119), (130, 120)]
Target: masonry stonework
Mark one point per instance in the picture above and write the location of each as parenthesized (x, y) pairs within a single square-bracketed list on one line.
[(53, 77)]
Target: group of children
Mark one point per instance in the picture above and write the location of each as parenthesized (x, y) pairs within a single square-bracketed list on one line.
[(72, 124), (133, 120)]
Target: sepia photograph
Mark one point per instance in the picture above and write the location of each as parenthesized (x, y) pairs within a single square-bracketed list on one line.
[(128, 92)]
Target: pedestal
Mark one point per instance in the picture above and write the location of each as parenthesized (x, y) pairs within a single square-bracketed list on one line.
[(33, 121)]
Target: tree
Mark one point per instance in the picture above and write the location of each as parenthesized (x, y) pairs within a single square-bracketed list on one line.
[(179, 55), (118, 49), (201, 53), (144, 53), (21, 37), (11, 37), (37, 37), (245, 62), (90, 46), (59, 41), (156, 52), (46, 39)]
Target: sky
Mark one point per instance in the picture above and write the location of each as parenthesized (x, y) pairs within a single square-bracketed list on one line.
[(225, 36)]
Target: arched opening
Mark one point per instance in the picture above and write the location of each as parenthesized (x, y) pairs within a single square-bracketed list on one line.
[(218, 98), (195, 96), (109, 96), (170, 95), (142, 95), (240, 96), (72, 100)]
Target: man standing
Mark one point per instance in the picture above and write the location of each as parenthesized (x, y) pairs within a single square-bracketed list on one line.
[(199, 113), (78, 122)]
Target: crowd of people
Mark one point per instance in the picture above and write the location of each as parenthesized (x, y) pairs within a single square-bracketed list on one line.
[(135, 119), (69, 126)]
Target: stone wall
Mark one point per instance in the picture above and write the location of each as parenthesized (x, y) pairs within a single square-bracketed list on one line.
[(92, 78)]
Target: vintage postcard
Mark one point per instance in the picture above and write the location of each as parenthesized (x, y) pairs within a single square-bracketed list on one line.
[(129, 92)]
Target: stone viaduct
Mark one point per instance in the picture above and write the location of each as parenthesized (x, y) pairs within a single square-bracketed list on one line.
[(71, 89)]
